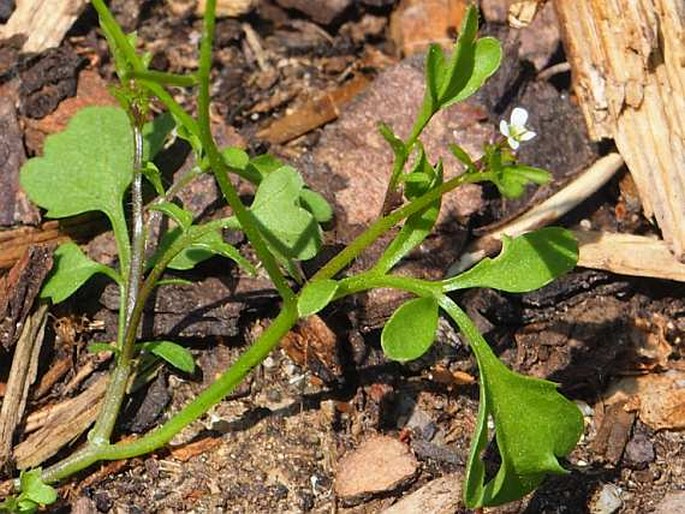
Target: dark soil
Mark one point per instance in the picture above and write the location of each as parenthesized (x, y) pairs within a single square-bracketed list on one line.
[(274, 445)]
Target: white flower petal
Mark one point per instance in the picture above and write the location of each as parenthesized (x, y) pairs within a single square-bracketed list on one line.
[(513, 143), (519, 116), (504, 128), (527, 135)]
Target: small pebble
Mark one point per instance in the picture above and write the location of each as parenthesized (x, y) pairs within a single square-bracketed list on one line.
[(607, 501)]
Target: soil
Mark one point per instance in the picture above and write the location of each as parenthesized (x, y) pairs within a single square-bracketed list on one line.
[(275, 445)]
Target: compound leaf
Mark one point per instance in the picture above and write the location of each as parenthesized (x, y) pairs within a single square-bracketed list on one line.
[(525, 263), (410, 331), (71, 269)]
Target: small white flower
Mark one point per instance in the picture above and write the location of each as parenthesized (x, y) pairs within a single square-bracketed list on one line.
[(515, 131)]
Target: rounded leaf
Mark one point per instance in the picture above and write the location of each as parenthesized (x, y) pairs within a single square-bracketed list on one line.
[(315, 296), (410, 331)]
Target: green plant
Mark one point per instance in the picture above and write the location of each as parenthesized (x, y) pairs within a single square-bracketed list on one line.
[(534, 424)]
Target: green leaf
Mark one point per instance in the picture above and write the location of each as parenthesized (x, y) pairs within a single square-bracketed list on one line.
[(71, 269), (525, 263), (459, 69), (398, 147), (173, 353), (155, 134), (534, 424), (290, 230), (463, 156), (410, 331), (34, 489), (102, 347), (435, 73), (235, 158), (265, 164), (204, 247), (488, 56), (419, 225), (415, 229), (154, 176), (315, 296), (182, 217), (317, 205), (87, 167)]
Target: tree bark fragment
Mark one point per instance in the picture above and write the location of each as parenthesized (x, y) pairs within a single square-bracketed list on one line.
[(628, 63)]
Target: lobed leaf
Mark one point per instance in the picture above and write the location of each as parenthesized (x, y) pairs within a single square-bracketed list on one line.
[(525, 263), (410, 331), (289, 229), (34, 489), (71, 269), (534, 425), (87, 167)]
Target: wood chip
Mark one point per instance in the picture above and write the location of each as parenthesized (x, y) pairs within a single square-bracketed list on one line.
[(64, 424), (659, 399), (628, 254), (440, 496), (19, 288), (22, 375), (313, 114), (45, 22), (380, 464), (629, 76)]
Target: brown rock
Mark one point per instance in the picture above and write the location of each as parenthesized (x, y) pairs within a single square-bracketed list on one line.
[(354, 154), (321, 11), (381, 464), (417, 23), (672, 503)]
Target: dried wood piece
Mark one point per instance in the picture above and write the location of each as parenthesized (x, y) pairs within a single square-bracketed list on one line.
[(628, 254), (544, 213), (14, 206), (15, 242), (313, 114), (45, 22), (22, 375), (66, 422), (19, 288), (628, 62)]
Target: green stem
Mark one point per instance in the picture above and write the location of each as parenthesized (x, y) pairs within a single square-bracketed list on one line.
[(194, 410), (381, 226), (116, 389), (219, 166), (164, 78)]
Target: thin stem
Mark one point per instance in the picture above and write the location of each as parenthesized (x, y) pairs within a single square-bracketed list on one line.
[(116, 390), (219, 166), (194, 410), (164, 78), (380, 227)]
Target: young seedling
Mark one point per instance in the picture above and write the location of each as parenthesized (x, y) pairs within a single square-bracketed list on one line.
[(533, 424)]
